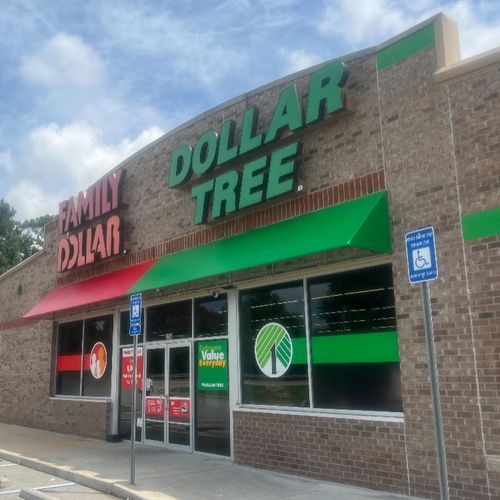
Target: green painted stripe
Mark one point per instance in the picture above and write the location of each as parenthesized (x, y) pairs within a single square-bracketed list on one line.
[(362, 223), (406, 47), (373, 347), (299, 351), (379, 347), (481, 224)]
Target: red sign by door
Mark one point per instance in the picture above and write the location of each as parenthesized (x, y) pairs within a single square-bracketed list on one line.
[(155, 406), (179, 407), (127, 368)]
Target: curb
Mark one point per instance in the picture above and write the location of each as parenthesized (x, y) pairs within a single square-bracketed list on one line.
[(85, 478), (30, 494)]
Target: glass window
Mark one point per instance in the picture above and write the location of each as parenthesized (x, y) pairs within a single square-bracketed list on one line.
[(169, 321), (352, 353), (212, 417), (210, 316), (69, 358), (273, 346), (354, 346), (97, 356), (84, 357)]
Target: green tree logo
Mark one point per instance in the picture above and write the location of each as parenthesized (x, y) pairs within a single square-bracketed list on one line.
[(273, 350)]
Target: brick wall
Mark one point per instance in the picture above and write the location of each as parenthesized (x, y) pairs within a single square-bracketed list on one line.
[(27, 364), (475, 115), (364, 453)]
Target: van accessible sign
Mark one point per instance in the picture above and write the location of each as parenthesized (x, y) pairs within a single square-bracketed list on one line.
[(264, 177), (212, 365), (421, 255)]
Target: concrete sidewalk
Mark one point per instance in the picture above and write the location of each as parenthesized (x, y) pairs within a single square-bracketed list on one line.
[(160, 474)]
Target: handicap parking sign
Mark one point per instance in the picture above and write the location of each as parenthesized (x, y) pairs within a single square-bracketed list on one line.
[(135, 314), (421, 255)]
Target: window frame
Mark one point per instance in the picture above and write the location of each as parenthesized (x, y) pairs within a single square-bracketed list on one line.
[(302, 275), (111, 356)]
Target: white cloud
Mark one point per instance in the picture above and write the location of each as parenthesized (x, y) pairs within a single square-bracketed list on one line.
[(6, 163), (61, 161), (192, 49), (366, 22), (30, 201), (377, 20), (64, 60), (299, 59), (478, 25)]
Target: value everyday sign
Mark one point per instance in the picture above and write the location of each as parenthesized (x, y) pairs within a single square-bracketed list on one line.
[(269, 175), (212, 365)]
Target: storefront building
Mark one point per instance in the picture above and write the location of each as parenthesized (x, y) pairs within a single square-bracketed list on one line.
[(267, 239)]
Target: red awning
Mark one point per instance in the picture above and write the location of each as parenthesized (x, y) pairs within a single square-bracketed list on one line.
[(105, 287)]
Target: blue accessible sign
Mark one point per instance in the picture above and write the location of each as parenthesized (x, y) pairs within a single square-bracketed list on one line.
[(421, 255), (135, 314)]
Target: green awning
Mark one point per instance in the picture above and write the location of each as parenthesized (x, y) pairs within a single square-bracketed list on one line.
[(362, 224)]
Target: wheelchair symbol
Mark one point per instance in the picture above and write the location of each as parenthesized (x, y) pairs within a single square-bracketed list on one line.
[(422, 258), (420, 261)]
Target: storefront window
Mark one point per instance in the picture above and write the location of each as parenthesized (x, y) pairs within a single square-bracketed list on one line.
[(169, 321), (212, 417), (273, 346), (69, 359), (98, 346), (355, 364), (84, 357), (212, 414), (210, 316), (352, 351)]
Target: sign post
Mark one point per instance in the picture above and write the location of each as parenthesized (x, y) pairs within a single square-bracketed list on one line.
[(134, 331), (422, 268)]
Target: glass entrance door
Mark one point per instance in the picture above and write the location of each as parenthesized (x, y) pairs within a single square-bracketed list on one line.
[(155, 396), (167, 398), (179, 396)]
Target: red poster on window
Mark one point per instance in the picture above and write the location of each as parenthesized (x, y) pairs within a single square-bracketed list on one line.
[(179, 407), (127, 367), (155, 406)]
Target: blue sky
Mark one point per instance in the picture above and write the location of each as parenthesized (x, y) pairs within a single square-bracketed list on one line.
[(84, 84)]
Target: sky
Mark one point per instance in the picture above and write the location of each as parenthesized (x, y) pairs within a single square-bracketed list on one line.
[(85, 84)]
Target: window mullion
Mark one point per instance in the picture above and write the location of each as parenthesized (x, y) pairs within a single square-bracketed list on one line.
[(308, 343), (82, 356)]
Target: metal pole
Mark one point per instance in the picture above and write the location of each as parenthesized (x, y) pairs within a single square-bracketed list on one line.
[(436, 403), (133, 417)]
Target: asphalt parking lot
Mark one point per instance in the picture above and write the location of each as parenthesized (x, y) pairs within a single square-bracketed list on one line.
[(14, 478)]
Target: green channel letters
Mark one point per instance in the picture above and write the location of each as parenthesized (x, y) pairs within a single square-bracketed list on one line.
[(326, 93), (227, 150), (201, 193), (250, 140), (287, 115), (226, 192), (180, 166), (253, 182), (268, 176), (282, 178), (205, 153)]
